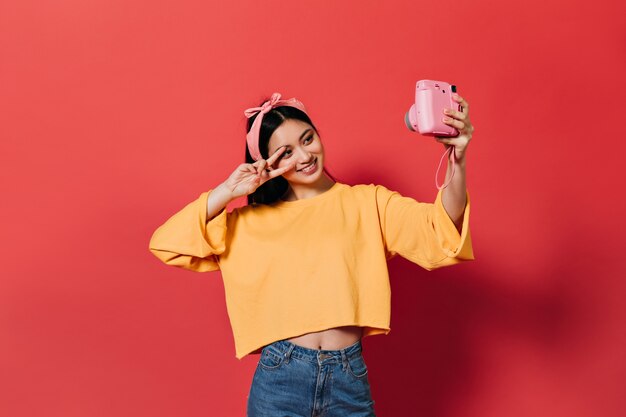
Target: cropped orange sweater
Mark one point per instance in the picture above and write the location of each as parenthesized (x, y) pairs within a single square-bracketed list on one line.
[(295, 267)]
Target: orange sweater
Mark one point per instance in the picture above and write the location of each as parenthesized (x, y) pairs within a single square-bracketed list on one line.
[(295, 267)]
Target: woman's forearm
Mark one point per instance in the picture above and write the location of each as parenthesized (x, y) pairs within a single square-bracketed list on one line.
[(454, 196), (218, 199)]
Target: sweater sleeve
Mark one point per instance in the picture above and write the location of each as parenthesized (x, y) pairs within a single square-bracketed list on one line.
[(186, 240), (423, 233)]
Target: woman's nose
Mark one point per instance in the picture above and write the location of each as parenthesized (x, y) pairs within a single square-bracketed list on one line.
[(304, 156)]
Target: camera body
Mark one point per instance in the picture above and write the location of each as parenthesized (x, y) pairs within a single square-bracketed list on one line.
[(425, 116)]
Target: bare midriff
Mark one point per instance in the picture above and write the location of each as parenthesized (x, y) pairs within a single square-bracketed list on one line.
[(329, 339)]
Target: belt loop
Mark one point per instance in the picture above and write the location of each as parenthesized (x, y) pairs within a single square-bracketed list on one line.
[(288, 353), (344, 360)]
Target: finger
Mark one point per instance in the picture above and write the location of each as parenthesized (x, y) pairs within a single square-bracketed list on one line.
[(261, 166), (280, 171), (255, 166), (445, 140), (465, 127), (455, 114), (454, 123), (275, 156), (243, 168), (462, 102), (456, 141)]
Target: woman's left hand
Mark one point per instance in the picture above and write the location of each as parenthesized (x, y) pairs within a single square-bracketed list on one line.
[(461, 122)]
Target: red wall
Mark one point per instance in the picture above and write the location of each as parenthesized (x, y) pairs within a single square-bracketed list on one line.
[(115, 114)]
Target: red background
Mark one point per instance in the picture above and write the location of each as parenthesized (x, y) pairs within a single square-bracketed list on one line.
[(115, 114)]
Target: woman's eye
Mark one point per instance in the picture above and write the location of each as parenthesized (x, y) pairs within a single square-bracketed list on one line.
[(309, 139), (285, 154)]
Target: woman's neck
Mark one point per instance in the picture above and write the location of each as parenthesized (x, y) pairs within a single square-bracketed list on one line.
[(303, 191)]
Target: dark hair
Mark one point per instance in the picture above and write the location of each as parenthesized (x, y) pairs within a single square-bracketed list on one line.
[(273, 189)]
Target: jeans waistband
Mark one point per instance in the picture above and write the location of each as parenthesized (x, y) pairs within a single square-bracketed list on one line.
[(289, 349)]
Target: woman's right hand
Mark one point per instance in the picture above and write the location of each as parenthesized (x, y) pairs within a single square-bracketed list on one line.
[(248, 177)]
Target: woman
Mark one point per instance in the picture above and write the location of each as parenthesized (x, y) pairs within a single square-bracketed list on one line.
[(304, 263)]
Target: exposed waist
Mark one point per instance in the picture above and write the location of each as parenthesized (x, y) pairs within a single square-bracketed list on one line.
[(286, 348)]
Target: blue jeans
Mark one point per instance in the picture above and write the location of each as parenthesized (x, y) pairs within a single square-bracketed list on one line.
[(293, 381)]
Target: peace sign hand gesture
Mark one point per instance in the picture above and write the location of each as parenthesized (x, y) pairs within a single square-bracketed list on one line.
[(248, 177)]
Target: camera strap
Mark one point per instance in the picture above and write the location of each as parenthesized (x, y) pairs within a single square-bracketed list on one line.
[(452, 158)]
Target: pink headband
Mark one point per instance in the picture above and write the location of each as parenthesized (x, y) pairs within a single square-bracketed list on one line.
[(253, 135)]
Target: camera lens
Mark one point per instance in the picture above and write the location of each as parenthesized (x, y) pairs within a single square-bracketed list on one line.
[(453, 88), (407, 122)]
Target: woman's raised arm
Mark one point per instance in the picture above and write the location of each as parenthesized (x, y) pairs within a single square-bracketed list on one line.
[(454, 195), (194, 237)]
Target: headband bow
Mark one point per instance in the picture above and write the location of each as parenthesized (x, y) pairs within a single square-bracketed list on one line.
[(253, 135)]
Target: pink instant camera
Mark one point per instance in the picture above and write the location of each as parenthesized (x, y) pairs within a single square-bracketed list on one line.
[(425, 116)]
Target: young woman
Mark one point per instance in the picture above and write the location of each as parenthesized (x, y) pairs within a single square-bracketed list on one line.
[(304, 264)]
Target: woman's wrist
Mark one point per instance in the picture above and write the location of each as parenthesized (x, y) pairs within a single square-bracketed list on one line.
[(219, 197), (460, 162), (224, 192)]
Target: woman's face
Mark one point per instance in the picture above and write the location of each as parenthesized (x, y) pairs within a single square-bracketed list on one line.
[(302, 147)]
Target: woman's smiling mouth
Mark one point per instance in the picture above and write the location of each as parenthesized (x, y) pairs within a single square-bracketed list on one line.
[(309, 169)]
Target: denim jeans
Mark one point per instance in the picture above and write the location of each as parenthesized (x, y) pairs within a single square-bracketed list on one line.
[(293, 381)]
